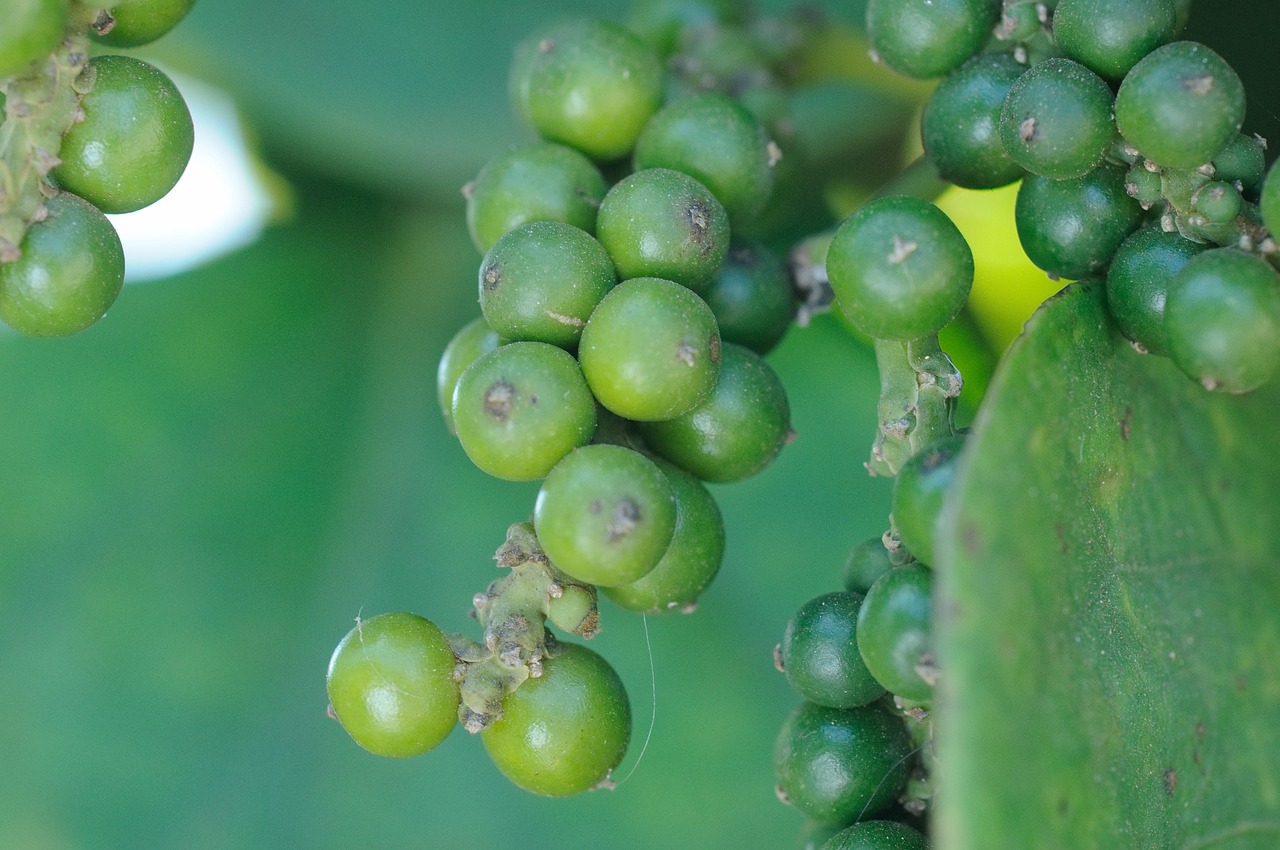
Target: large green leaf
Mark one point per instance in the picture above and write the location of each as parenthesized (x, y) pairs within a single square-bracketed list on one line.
[(1110, 623)]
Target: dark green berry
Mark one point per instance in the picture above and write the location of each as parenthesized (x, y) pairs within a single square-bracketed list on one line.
[(1071, 228), (928, 38), (1056, 121), (138, 22), (960, 127), (877, 835), (1242, 161), (819, 653), (752, 298), (1269, 201), (895, 632), (865, 563), (1108, 37), (1138, 284), (918, 491)]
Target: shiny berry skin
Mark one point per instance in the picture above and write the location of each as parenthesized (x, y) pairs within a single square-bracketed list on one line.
[(651, 350), (1109, 38), (928, 38), (391, 685), (918, 491), (900, 268), (664, 223), (70, 271), (691, 560), (837, 764), (605, 515), (819, 653), (1056, 121), (474, 340), (752, 298), (587, 83), (960, 127), (895, 631), (520, 408), (563, 732), (1181, 105), (32, 29), (736, 431), (538, 182), (1071, 228), (1222, 320), (877, 835), (1138, 284), (135, 139), (542, 280), (715, 140), (140, 22)]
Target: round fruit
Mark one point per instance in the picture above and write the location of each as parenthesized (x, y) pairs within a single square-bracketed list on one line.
[(1222, 320), (1242, 161), (587, 83), (918, 491), (927, 38), (70, 271), (605, 515), (1138, 284), (1056, 121), (651, 350), (663, 223), (32, 29), (468, 345), (135, 139), (1108, 37), (539, 182), (819, 653), (737, 431), (563, 732), (691, 560), (1181, 105), (752, 298), (1071, 228), (960, 127), (835, 765), (139, 22), (895, 632), (866, 562), (878, 835), (900, 268), (520, 408), (391, 685), (541, 281), (714, 139)]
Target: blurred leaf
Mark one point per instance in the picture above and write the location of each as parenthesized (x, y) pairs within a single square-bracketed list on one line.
[(1108, 627)]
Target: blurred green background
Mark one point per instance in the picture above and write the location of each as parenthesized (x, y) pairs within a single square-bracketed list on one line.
[(200, 494)]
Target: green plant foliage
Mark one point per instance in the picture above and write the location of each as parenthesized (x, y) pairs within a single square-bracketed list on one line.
[(1110, 655)]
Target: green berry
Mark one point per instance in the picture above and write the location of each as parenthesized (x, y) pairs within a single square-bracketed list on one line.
[(664, 223), (960, 127), (541, 281), (900, 268), (1181, 105), (928, 38), (588, 84), (474, 340), (1071, 228), (736, 431), (838, 764), (691, 560), (651, 350), (877, 835), (521, 408), (605, 515), (70, 271), (866, 562), (715, 140), (32, 29), (1222, 320), (538, 182), (1217, 201), (895, 632), (819, 653), (1056, 121), (918, 491), (135, 139), (139, 22), (391, 685), (1138, 284), (563, 732), (1269, 201), (1242, 161), (752, 298), (1108, 37)]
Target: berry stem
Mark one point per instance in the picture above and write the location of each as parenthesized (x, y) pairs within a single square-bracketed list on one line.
[(918, 388)]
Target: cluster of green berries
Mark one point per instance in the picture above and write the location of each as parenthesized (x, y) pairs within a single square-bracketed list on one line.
[(860, 745), (1132, 163), (619, 360), (80, 136)]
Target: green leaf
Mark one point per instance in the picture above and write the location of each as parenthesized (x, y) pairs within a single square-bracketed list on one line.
[(1109, 629)]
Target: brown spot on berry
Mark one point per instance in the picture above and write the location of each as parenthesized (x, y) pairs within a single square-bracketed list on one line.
[(499, 399), (1200, 85), (1028, 130), (491, 276), (626, 516)]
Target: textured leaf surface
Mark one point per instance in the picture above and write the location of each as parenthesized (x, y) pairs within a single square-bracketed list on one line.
[(1110, 628)]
